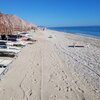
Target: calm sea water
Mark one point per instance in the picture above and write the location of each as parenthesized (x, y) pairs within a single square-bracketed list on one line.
[(82, 30)]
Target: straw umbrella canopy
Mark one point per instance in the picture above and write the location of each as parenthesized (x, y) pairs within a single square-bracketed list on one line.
[(16, 22), (11, 23), (5, 25), (31, 26), (20, 24), (27, 26)]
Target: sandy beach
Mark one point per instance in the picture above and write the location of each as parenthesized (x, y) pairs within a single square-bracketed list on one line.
[(52, 69)]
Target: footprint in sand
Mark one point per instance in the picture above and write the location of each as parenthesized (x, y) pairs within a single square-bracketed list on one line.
[(30, 92), (54, 97)]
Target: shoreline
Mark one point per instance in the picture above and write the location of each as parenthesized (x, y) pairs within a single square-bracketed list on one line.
[(81, 34), (79, 37)]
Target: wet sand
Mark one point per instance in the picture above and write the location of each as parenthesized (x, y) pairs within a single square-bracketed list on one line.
[(52, 69)]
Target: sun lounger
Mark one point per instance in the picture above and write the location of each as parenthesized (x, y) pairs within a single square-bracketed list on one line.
[(9, 51), (12, 38), (1, 60), (50, 36), (13, 43), (14, 47), (3, 44), (4, 63), (18, 44), (2, 70)]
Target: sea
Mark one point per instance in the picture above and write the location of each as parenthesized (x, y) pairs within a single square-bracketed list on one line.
[(93, 31)]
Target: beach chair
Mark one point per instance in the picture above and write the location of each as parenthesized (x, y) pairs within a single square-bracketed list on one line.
[(6, 43), (12, 38), (26, 37), (9, 51), (3, 44), (4, 63), (17, 44), (2, 70), (14, 47)]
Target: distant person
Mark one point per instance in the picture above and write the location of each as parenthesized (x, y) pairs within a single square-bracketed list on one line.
[(43, 29), (34, 30)]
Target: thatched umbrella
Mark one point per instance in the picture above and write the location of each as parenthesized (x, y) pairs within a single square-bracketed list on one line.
[(5, 25), (31, 26), (11, 23), (20, 24), (16, 22)]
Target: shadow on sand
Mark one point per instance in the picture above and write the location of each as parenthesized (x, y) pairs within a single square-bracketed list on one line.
[(6, 55), (76, 46)]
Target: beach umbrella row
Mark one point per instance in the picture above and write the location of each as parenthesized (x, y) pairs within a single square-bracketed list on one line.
[(19, 24), (11, 23)]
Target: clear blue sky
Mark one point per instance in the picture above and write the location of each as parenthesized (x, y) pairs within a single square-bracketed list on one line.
[(55, 12)]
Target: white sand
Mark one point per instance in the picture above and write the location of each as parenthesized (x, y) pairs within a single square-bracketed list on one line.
[(50, 70)]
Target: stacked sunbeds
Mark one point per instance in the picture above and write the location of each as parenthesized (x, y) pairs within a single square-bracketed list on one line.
[(12, 46)]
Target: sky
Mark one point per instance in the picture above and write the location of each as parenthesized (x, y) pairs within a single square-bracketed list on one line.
[(55, 12)]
